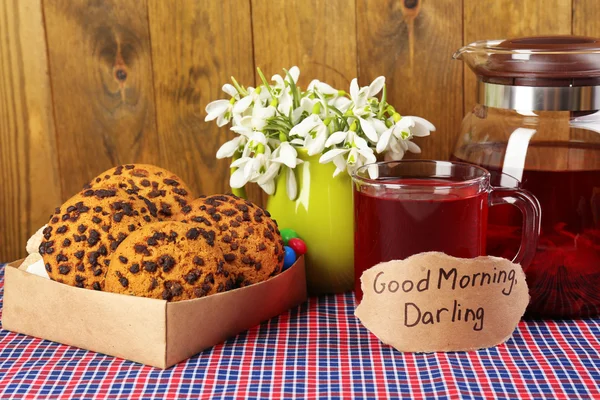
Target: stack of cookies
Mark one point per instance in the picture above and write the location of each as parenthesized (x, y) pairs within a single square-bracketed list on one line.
[(137, 230)]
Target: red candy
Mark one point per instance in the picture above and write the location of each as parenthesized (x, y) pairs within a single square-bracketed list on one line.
[(297, 245)]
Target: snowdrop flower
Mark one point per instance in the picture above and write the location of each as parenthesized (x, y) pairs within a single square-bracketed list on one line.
[(395, 141), (314, 132), (359, 97), (256, 96), (355, 153), (253, 163), (284, 159), (229, 148), (256, 121), (222, 110)]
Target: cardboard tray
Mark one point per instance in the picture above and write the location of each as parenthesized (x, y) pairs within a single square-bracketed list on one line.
[(148, 331)]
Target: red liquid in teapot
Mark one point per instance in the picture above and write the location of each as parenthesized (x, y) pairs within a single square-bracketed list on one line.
[(564, 276), (393, 225)]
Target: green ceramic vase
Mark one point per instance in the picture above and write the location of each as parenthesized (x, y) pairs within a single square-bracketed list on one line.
[(322, 214)]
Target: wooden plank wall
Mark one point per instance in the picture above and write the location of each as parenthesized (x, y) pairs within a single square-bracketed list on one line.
[(85, 85)]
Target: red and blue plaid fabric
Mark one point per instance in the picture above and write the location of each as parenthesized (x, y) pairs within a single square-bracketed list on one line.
[(318, 350)]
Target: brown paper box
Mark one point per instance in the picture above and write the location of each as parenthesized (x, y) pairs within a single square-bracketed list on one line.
[(148, 331)]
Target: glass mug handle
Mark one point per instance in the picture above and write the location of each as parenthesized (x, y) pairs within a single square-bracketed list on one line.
[(531, 210)]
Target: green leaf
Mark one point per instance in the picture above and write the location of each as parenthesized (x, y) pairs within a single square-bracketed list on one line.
[(294, 88), (265, 82)]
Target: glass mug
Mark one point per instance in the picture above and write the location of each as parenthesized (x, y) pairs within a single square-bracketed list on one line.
[(415, 206)]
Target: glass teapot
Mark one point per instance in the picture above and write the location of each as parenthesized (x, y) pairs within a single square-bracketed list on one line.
[(536, 124)]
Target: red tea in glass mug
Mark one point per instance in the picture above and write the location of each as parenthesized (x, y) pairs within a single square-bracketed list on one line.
[(408, 207)]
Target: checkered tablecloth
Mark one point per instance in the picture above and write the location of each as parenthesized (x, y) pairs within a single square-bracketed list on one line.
[(318, 350)]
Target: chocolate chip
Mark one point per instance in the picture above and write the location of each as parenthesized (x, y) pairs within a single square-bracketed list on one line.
[(102, 250), (103, 193), (49, 250), (246, 217), (192, 276), (258, 266), (171, 182), (150, 266), (141, 249), (64, 269), (96, 286), (66, 242), (152, 241), (166, 262), (118, 217), (234, 224), (98, 272), (105, 228), (227, 239), (94, 237), (107, 262), (96, 220), (166, 295), (130, 166), (216, 217), (81, 228), (87, 193), (229, 212), (131, 228), (242, 207), (186, 209), (243, 250), (192, 234), (220, 288), (247, 260), (57, 210), (134, 269), (250, 230), (153, 284), (180, 191), (118, 170), (124, 281), (165, 209), (61, 257), (209, 278), (198, 260), (147, 218), (54, 220), (79, 254), (79, 278), (65, 217), (200, 219), (98, 209), (268, 235), (261, 246), (80, 267), (234, 246), (124, 260), (47, 236), (93, 258), (61, 229), (145, 183), (48, 267), (229, 257)]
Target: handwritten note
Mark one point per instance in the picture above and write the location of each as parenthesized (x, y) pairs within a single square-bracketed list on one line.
[(434, 302)]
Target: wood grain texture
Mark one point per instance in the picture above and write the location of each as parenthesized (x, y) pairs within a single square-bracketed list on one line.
[(586, 17), (503, 19), (196, 47), (101, 73), (28, 165), (410, 42), (319, 36)]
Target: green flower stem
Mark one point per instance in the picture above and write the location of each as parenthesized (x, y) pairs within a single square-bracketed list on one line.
[(295, 90), (382, 103), (241, 90), (265, 82)]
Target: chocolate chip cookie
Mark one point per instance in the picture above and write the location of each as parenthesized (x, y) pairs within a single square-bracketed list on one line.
[(248, 237), (165, 189), (84, 232), (171, 261)]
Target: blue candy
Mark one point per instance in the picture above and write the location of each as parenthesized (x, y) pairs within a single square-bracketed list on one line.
[(290, 257)]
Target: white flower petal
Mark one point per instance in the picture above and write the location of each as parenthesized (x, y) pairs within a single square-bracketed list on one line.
[(354, 89), (361, 143), (379, 125), (288, 155), (305, 126), (229, 148), (383, 141), (242, 104), (268, 187), (296, 114), (222, 120), (279, 81), (331, 155), (291, 185), (239, 162), (373, 171), (237, 179), (230, 89), (376, 86), (336, 138), (285, 103), (269, 174), (215, 108), (295, 73), (413, 148), (422, 127), (368, 129), (297, 141)]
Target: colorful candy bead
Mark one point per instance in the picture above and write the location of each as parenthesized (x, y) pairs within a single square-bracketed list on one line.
[(290, 257), (287, 234), (297, 245)]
